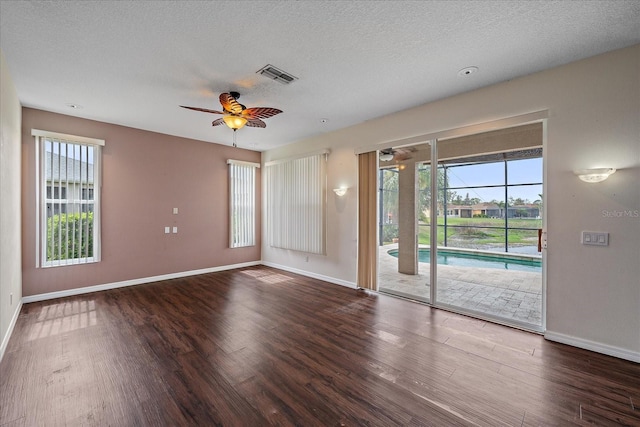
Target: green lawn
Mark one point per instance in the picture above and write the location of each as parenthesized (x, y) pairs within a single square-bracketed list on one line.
[(476, 232)]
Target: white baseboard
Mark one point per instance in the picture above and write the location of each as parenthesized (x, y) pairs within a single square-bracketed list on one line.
[(609, 350), (12, 324), (133, 282), (312, 275)]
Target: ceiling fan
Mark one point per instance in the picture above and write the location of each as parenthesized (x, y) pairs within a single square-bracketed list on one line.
[(398, 154), (236, 115)]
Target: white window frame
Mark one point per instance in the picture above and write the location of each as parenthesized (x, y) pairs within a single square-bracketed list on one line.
[(297, 203), (42, 200), (242, 203)]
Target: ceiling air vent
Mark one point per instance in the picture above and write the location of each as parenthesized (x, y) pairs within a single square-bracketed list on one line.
[(276, 74)]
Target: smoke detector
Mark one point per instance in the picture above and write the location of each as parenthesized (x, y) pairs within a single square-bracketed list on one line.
[(467, 71)]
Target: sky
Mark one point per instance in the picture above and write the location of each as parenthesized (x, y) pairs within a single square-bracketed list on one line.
[(518, 172), (71, 150)]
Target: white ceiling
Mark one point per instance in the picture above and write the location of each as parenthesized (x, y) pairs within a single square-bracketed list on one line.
[(133, 63)]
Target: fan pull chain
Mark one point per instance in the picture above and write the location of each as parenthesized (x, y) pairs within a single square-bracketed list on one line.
[(234, 138)]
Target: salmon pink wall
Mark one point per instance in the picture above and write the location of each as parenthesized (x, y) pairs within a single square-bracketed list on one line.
[(145, 175)]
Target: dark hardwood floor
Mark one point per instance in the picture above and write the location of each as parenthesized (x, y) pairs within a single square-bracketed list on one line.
[(260, 346)]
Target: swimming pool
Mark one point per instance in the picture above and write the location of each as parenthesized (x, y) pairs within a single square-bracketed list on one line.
[(473, 259)]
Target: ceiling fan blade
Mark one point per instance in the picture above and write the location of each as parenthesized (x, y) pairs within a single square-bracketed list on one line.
[(256, 123), (404, 153), (260, 112), (402, 156), (230, 104), (217, 122), (204, 110)]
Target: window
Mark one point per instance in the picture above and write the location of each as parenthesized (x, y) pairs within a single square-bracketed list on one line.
[(503, 198), (242, 203), (68, 199), (87, 194), (296, 203)]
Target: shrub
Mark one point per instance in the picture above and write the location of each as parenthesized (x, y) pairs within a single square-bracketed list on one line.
[(389, 232), (471, 232), (66, 229)]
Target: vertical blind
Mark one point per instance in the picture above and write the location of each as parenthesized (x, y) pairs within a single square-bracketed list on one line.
[(296, 203), (242, 203), (69, 187)]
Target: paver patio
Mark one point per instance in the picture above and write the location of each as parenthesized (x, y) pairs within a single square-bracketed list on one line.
[(512, 295)]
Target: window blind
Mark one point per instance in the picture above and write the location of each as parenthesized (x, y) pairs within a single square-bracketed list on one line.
[(68, 201), (296, 204), (242, 203)]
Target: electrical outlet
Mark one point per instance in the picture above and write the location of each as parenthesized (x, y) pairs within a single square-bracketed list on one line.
[(175, 211)]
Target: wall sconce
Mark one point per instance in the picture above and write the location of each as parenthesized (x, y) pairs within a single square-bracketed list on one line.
[(340, 191), (594, 175)]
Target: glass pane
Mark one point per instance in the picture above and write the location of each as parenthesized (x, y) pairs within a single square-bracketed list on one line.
[(475, 203), (524, 171), (473, 235), (476, 270), (525, 203), (475, 175), (523, 242), (424, 194), (69, 177), (388, 206), (393, 255)]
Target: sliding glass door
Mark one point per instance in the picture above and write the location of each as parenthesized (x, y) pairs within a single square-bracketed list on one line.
[(490, 217), (476, 244), (404, 227)]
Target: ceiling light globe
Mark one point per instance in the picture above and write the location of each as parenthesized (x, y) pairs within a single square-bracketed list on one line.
[(386, 157), (235, 122)]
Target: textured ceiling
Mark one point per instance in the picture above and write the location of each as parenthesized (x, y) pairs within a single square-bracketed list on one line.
[(133, 63)]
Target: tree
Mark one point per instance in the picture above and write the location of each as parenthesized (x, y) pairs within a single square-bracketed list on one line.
[(424, 189), (521, 202), (499, 203), (390, 188)]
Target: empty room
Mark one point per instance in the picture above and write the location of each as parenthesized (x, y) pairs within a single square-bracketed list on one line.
[(320, 213)]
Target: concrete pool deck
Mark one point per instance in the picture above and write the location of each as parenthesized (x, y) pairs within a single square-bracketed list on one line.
[(512, 295)]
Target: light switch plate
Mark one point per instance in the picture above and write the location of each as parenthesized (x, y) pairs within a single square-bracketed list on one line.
[(175, 230), (175, 211), (595, 238), (167, 230)]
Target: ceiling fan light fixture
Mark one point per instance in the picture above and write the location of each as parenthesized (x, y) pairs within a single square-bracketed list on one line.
[(386, 156), (234, 122)]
